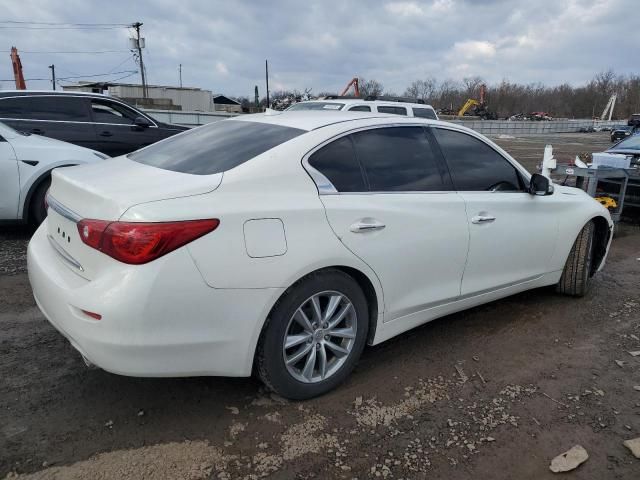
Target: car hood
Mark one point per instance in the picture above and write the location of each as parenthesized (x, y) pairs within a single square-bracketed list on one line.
[(39, 148)]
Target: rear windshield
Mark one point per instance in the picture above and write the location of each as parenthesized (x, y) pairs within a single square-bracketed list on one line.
[(631, 143), (214, 148), (316, 106)]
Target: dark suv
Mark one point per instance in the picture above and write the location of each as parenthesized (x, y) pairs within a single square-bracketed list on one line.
[(90, 120)]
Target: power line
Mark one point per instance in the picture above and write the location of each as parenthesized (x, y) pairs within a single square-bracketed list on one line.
[(128, 72), (30, 27), (69, 51), (22, 22)]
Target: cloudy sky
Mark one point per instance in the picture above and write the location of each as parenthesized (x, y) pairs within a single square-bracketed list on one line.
[(222, 44)]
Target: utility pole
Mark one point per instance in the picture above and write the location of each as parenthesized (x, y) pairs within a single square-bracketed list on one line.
[(53, 76), (266, 71), (180, 70), (138, 45)]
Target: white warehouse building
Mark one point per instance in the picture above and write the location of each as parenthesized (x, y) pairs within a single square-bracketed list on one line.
[(158, 97)]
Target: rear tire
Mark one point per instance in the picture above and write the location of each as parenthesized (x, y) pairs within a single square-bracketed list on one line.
[(327, 353), (577, 271), (37, 208)]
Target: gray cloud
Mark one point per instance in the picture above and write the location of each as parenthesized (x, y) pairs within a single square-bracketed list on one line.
[(322, 44)]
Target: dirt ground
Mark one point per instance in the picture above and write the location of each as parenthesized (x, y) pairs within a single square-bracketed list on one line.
[(495, 392)]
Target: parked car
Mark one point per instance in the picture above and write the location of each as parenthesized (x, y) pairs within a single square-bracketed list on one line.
[(298, 238), (26, 162), (629, 146), (89, 120), (391, 105), (620, 131), (634, 120)]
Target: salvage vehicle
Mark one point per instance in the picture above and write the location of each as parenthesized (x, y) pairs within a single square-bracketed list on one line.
[(26, 163), (90, 120), (391, 105), (297, 238), (620, 131)]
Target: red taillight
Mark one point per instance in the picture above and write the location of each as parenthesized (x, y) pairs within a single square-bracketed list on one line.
[(137, 243)]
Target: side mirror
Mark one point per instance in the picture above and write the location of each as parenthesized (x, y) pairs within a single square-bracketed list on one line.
[(141, 122), (540, 185)]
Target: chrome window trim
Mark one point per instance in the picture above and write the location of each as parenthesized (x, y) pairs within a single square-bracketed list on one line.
[(60, 209), (68, 258), (87, 96), (325, 187)]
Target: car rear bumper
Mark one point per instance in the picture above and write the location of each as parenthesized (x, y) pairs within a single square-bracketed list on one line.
[(158, 319)]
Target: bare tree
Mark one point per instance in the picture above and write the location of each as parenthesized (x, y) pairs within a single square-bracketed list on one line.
[(370, 87), (422, 89)]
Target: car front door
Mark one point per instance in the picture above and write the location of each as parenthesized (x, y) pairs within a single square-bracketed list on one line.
[(116, 129), (512, 233), (62, 117), (394, 209), (9, 182)]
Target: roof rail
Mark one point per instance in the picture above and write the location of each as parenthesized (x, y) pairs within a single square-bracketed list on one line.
[(387, 98), (341, 97)]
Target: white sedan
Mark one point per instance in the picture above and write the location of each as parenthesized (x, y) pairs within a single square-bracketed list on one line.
[(283, 243), (26, 162)]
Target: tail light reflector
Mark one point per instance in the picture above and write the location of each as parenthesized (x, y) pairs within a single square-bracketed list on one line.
[(136, 243)]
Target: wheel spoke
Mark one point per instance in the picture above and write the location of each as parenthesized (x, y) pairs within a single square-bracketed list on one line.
[(342, 333), (334, 302), (322, 356), (293, 340), (340, 316), (302, 320), (307, 371), (302, 352), (317, 312), (336, 349)]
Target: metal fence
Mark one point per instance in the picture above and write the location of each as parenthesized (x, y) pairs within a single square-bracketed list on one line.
[(497, 127), (188, 118), (491, 127)]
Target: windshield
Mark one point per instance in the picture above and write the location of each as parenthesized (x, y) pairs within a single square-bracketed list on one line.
[(7, 132), (316, 106), (622, 127), (216, 147), (631, 143)]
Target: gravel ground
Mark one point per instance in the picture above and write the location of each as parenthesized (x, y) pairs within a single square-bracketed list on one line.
[(495, 392)]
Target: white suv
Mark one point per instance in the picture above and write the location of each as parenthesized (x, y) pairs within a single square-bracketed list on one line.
[(392, 105)]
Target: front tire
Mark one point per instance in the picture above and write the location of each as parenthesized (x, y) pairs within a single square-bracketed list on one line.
[(37, 208), (314, 336), (577, 271)]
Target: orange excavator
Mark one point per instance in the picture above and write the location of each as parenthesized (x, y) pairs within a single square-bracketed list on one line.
[(17, 69), (356, 89)]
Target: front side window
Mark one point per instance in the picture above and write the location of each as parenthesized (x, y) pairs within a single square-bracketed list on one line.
[(474, 165), (398, 159), (392, 110), (54, 107), (216, 147), (111, 112)]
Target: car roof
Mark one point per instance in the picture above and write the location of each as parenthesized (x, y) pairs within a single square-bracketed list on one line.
[(363, 101), (27, 93), (312, 119)]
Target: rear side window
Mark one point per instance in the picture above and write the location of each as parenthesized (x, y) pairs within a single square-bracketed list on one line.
[(216, 147), (398, 159), (337, 162), (58, 108), (392, 110), (424, 113), (474, 165), (111, 112), (360, 108)]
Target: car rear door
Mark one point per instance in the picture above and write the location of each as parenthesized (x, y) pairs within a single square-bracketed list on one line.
[(62, 117), (116, 130), (392, 206), (512, 233)]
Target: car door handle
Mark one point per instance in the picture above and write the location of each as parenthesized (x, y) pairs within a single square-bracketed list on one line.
[(366, 226), (106, 134), (37, 131), (482, 219)]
